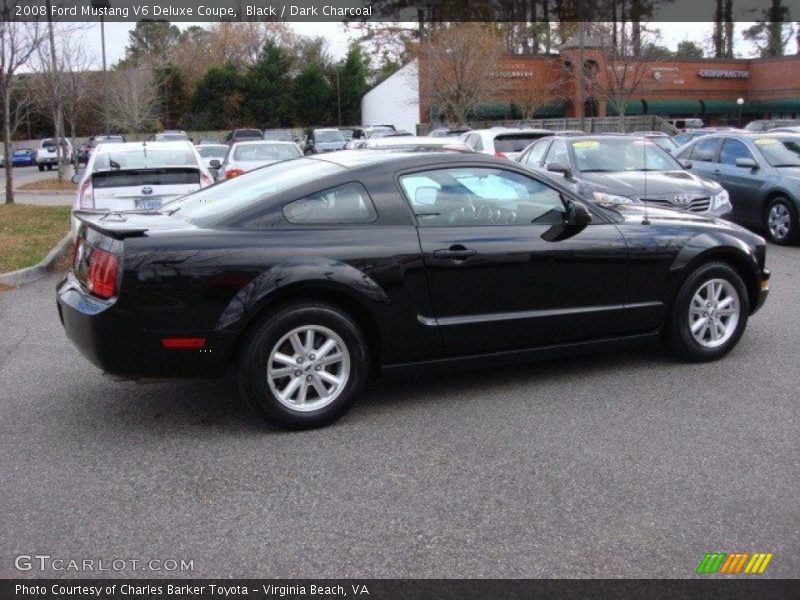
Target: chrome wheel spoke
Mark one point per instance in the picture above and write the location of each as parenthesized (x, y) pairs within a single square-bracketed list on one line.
[(281, 372), (283, 358), (330, 378), (330, 359), (297, 345)]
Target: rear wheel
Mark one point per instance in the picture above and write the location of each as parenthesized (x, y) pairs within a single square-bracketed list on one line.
[(709, 314), (41, 167), (303, 366), (781, 221)]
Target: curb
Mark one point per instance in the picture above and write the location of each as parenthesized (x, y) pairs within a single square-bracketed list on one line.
[(40, 270), (66, 193)]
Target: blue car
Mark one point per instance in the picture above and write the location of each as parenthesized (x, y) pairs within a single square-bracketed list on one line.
[(24, 157)]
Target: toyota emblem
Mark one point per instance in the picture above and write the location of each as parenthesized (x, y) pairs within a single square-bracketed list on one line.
[(147, 190), (681, 199)]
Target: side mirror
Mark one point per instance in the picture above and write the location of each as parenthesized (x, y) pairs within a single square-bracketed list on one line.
[(746, 163), (214, 164), (578, 216), (559, 167), (686, 164)]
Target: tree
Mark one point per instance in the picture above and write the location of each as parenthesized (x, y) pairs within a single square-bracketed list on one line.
[(134, 96), (18, 44), (541, 88), (353, 83), (456, 69), (174, 100), (268, 87), (217, 99), (314, 97), (151, 43), (688, 49), (771, 34), (621, 72)]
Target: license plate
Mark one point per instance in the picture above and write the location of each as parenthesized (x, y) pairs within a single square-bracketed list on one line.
[(148, 203)]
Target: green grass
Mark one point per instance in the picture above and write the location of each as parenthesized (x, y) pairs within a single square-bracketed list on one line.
[(28, 233)]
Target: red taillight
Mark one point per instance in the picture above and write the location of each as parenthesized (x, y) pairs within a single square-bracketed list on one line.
[(233, 173), (499, 154), (102, 277), (188, 343), (85, 195)]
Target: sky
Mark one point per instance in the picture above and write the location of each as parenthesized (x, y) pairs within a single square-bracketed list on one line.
[(339, 36)]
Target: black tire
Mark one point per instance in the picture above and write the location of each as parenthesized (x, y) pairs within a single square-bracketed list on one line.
[(41, 167), (678, 335), (787, 206), (49, 167), (262, 338)]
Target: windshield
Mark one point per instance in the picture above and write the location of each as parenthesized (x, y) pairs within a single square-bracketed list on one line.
[(621, 155), (329, 135), (665, 142), (212, 151), (213, 204), (144, 158), (516, 142), (171, 137), (262, 152), (247, 133), (779, 153), (279, 135)]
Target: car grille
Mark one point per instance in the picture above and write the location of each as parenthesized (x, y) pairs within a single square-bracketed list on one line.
[(701, 204)]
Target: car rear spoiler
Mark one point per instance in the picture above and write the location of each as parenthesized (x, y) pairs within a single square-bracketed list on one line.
[(111, 223)]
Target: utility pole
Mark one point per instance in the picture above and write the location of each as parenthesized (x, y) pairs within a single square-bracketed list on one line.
[(56, 92), (103, 5), (581, 68)]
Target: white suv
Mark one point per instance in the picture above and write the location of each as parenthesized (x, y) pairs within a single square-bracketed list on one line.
[(503, 142)]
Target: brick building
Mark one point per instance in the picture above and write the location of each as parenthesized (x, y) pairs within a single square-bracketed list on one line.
[(701, 88)]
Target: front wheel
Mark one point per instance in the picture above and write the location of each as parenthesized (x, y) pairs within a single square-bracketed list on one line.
[(709, 314), (303, 366), (41, 167), (781, 221)]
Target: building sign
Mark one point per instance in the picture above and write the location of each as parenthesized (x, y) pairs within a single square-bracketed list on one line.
[(721, 74), (512, 74)]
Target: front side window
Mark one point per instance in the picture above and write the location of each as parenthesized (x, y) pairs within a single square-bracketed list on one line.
[(557, 153), (536, 154), (733, 149), (481, 196), (705, 149), (345, 204)]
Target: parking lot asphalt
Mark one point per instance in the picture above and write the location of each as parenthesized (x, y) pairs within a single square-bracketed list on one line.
[(23, 175), (624, 464)]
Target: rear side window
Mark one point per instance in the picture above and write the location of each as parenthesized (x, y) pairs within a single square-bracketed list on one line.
[(558, 153), (705, 149), (345, 204), (733, 149)]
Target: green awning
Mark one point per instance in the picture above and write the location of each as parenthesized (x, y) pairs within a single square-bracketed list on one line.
[(666, 107), (775, 105), (551, 110), (492, 111), (720, 107), (632, 107)]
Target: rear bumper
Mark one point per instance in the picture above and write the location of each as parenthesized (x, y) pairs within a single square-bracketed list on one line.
[(112, 339)]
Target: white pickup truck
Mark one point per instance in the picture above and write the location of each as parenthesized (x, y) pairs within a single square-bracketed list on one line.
[(47, 155)]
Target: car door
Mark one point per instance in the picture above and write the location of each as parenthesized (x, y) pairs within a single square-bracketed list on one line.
[(744, 184), (503, 271), (704, 157)]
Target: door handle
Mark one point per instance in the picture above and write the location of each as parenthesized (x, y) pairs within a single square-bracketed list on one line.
[(456, 253), (716, 171)]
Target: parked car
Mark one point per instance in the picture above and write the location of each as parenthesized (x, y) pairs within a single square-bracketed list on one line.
[(243, 135), (136, 176), (305, 278), (86, 149), (766, 124), (659, 138), (414, 143), (502, 142), (762, 175), (686, 124), (614, 169), (246, 156), (364, 133), (208, 142), (319, 141), (449, 131), (279, 135), (213, 156), (692, 134), (170, 135), (47, 154), (23, 157), (785, 130)]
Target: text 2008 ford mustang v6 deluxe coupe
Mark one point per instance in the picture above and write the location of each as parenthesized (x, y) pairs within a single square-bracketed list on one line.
[(309, 275)]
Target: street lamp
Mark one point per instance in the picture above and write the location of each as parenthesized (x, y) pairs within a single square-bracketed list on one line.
[(740, 104), (103, 5)]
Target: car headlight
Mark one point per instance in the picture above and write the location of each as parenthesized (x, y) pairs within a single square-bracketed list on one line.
[(603, 198), (720, 200)]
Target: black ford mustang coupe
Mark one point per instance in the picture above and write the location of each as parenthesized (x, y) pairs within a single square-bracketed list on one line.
[(307, 276)]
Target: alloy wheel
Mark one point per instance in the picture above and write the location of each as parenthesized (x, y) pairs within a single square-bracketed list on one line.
[(308, 368), (779, 221), (714, 313)]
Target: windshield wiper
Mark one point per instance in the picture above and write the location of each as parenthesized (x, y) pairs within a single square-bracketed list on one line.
[(787, 165), (595, 170)]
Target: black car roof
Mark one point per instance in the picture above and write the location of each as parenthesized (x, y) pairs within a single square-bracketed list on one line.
[(357, 159)]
